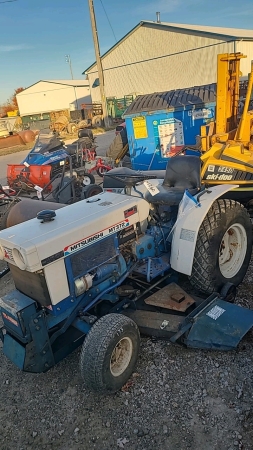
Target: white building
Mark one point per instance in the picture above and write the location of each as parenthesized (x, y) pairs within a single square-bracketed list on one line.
[(160, 56), (53, 95)]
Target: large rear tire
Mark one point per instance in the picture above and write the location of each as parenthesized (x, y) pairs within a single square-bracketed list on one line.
[(223, 247), (109, 353)]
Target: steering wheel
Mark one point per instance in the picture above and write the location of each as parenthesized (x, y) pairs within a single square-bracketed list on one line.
[(131, 180)]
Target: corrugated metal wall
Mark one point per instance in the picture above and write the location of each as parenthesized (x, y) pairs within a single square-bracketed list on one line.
[(191, 61), (245, 47)]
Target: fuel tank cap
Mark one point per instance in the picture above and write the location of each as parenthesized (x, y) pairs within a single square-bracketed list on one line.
[(46, 215)]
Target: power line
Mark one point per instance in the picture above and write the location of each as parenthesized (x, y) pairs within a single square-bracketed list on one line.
[(108, 20), (9, 1), (122, 57)]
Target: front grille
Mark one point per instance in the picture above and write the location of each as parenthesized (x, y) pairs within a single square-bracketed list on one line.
[(93, 256)]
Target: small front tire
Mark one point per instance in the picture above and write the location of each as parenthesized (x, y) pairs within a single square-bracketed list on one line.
[(88, 179), (91, 190), (109, 353)]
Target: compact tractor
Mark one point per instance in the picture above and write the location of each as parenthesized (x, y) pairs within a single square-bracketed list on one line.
[(98, 272)]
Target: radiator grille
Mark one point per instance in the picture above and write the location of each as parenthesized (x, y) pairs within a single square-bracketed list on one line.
[(93, 256)]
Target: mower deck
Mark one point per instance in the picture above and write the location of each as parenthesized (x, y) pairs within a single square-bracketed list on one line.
[(212, 323)]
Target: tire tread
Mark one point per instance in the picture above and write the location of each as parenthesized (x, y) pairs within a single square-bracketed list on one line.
[(95, 346)]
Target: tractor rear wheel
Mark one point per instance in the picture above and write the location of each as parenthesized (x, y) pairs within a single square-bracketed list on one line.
[(109, 353), (223, 247)]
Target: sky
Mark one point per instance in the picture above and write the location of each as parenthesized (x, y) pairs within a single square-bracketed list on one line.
[(35, 35)]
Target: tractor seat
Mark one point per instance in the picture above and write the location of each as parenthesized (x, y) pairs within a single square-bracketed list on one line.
[(182, 172)]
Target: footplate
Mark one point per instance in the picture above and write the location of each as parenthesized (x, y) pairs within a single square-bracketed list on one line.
[(152, 267), (171, 297)]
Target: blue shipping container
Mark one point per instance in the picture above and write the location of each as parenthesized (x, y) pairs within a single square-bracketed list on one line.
[(160, 124)]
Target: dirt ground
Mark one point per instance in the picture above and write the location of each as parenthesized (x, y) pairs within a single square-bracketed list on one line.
[(178, 399)]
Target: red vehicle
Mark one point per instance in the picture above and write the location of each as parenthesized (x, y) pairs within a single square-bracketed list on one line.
[(19, 175), (93, 163)]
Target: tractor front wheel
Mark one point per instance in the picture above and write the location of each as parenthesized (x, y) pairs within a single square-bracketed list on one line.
[(223, 247), (109, 353)]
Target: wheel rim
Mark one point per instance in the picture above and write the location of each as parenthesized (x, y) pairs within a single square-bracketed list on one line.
[(86, 180), (232, 250), (121, 356)]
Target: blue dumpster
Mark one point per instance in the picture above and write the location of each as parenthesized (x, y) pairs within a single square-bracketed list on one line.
[(160, 124)]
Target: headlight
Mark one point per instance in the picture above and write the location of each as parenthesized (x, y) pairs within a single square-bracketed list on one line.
[(19, 259), (83, 284)]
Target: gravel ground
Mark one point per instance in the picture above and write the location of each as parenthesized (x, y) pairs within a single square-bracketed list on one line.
[(178, 399)]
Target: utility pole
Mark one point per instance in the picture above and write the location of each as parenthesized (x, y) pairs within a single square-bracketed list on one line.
[(99, 63), (68, 60)]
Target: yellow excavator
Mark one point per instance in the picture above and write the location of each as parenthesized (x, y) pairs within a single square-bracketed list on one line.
[(227, 149)]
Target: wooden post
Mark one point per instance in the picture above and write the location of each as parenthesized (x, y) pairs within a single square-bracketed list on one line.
[(99, 63)]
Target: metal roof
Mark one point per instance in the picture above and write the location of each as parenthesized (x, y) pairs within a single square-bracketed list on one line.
[(209, 31), (238, 33), (176, 98), (74, 83)]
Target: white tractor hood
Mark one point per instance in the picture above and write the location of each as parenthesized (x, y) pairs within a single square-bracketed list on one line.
[(74, 227)]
